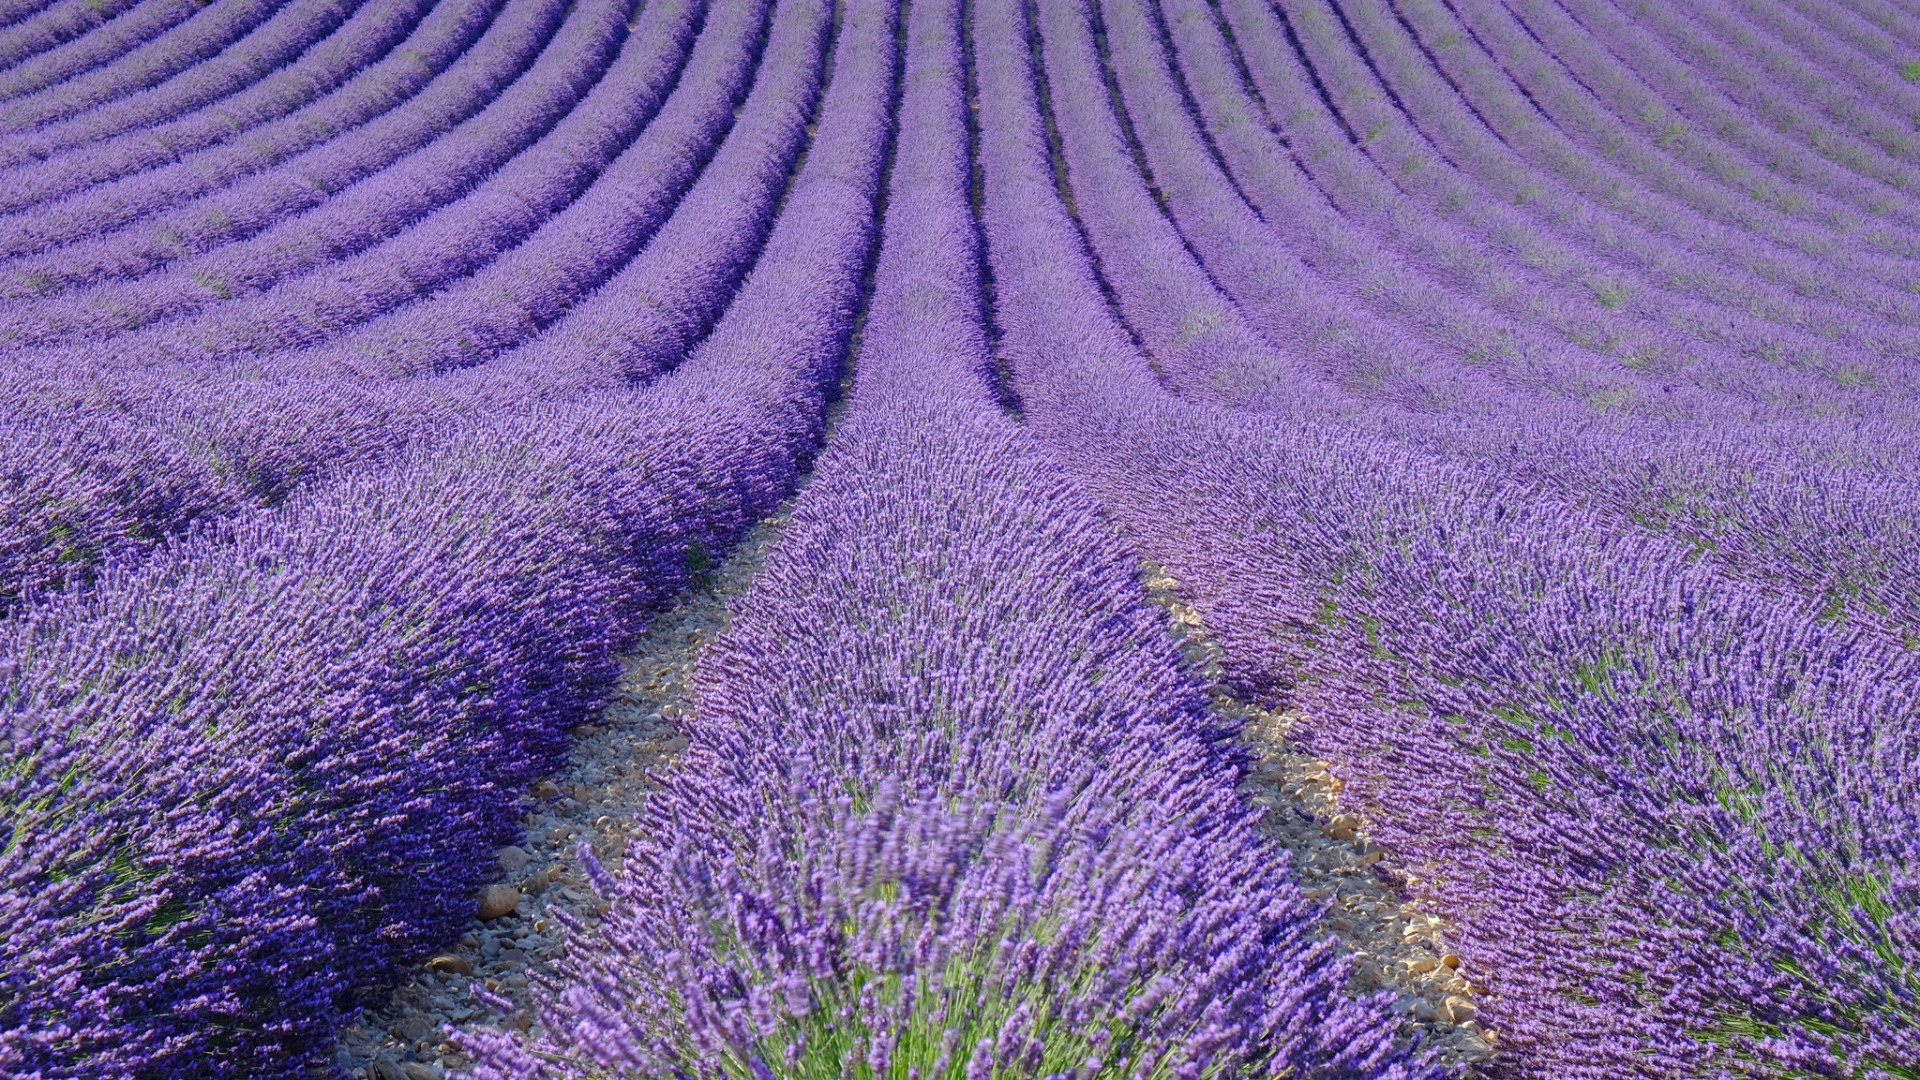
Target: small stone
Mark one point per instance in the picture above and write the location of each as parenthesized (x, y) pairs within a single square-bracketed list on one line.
[(1344, 827), (1450, 960), (546, 789), (414, 1026), (1371, 857), (571, 807), (1422, 965), (498, 900), (1459, 1009), (417, 1071), (451, 965), (383, 1069), (511, 859)]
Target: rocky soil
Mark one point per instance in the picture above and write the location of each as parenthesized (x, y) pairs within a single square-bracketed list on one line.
[(596, 799), (1397, 944)]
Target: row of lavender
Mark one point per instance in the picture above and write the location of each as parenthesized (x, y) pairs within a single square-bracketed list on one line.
[(1578, 733), (954, 805), (1669, 805), (211, 845), (1775, 524), (1391, 536), (287, 415), (1667, 441)]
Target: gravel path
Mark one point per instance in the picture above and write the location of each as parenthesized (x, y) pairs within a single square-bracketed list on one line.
[(595, 800), (1399, 945)]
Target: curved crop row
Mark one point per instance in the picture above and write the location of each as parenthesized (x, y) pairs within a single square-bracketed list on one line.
[(69, 37), (276, 42), (523, 157), (1816, 130), (1680, 463), (574, 252), (1523, 393), (450, 98), (1633, 749), (87, 153), (1636, 252), (1878, 55), (383, 56), (251, 440), (1447, 292), (208, 31), (948, 640), (1788, 159), (440, 625)]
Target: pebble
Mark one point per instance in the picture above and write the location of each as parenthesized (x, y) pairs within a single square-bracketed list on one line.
[(451, 965), (497, 901), (1344, 827), (414, 1027), (511, 859)]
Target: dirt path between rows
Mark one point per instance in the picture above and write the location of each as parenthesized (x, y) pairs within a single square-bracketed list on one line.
[(599, 796), (1397, 943), (596, 799)]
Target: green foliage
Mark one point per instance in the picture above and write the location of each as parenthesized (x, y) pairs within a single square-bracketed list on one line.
[(1612, 295), (216, 285)]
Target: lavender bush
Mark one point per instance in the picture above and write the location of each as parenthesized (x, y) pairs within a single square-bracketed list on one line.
[(446, 38), (973, 820), (490, 582), (1523, 391), (197, 38), (274, 90), (1698, 936), (64, 39)]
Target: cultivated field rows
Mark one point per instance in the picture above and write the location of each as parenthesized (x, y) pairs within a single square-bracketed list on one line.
[(1311, 538)]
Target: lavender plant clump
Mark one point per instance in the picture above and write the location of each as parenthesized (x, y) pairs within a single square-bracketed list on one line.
[(1520, 397)]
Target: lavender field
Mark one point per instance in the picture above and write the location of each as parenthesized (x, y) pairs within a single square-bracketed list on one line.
[(960, 539)]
